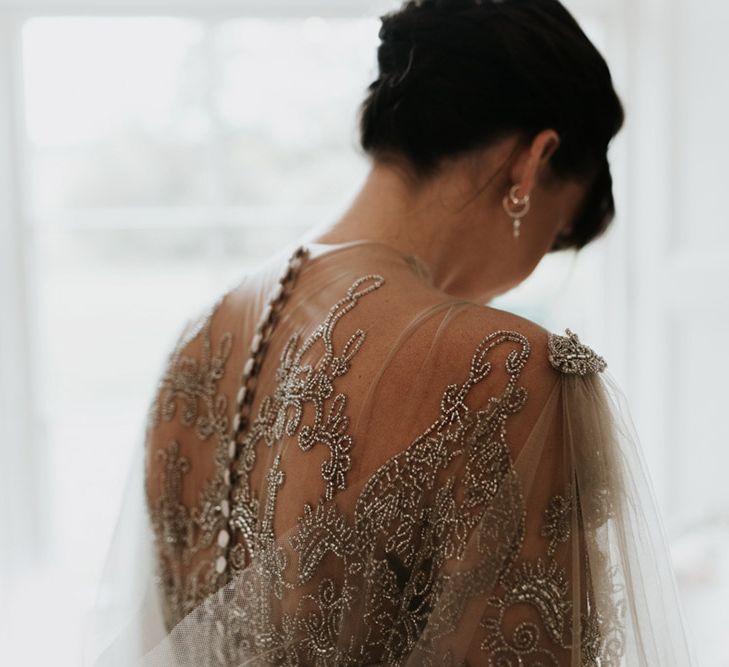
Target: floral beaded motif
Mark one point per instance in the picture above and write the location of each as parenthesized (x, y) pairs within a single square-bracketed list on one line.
[(568, 355), (557, 519), (299, 383), (188, 390), (408, 520)]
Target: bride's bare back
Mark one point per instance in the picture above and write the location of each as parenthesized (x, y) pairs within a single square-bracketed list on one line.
[(406, 489)]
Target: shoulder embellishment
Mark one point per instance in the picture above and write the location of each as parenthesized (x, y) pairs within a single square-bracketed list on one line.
[(568, 355)]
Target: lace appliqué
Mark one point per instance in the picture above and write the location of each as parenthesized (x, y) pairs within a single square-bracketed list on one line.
[(188, 389), (172, 527), (557, 519), (194, 383), (298, 384), (568, 355), (409, 521)]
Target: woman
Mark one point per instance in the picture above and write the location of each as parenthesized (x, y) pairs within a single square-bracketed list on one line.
[(351, 460)]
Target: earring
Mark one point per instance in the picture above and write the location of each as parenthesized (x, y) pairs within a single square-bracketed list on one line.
[(522, 208)]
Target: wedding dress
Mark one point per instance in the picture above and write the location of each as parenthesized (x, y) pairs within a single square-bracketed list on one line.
[(343, 465)]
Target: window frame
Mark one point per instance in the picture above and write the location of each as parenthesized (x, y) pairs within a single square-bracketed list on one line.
[(21, 413)]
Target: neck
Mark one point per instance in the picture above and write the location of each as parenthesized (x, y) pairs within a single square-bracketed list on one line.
[(445, 224)]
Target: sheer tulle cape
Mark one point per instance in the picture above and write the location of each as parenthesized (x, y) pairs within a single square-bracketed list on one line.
[(495, 510)]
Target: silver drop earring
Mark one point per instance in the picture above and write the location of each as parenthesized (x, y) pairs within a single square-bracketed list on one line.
[(522, 205)]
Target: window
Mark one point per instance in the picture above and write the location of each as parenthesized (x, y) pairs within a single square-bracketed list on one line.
[(151, 161)]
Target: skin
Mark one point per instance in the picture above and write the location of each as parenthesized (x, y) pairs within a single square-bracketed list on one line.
[(455, 222)]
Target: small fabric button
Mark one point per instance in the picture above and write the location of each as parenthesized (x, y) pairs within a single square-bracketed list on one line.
[(256, 343)]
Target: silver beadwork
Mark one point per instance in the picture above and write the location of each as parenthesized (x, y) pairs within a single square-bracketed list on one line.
[(568, 355), (389, 515)]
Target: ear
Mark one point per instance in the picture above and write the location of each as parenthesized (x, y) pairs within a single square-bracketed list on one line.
[(534, 161)]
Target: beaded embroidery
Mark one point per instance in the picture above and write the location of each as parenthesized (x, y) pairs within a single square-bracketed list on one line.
[(394, 544), (568, 355), (188, 389)]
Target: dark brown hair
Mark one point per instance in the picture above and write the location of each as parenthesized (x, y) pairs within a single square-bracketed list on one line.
[(455, 75)]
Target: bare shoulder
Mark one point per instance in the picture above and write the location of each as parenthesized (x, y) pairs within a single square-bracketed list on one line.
[(512, 343), (468, 356), (516, 364), (550, 353), (495, 351)]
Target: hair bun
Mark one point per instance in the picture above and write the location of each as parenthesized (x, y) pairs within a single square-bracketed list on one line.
[(398, 39), (458, 74)]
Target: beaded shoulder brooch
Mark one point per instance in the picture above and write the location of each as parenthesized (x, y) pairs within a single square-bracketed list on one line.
[(568, 355)]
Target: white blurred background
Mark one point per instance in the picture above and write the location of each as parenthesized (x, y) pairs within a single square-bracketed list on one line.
[(151, 153)]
